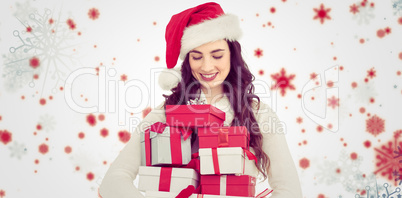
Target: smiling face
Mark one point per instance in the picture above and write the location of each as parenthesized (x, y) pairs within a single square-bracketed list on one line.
[(210, 65)]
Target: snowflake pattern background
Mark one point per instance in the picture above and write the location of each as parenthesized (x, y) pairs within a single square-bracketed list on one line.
[(86, 51), (397, 6), (49, 41), (364, 12)]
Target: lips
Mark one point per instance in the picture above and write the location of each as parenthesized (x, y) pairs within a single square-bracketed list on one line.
[(208, 77)]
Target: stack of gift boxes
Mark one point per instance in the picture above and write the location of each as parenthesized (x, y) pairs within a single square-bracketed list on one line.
[(168, 166)]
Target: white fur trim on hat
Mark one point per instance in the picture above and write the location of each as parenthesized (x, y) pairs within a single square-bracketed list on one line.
[(223, 27), (169, 78)]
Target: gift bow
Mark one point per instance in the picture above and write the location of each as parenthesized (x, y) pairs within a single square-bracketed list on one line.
[(175, 141), (194, 163), (159, 127)]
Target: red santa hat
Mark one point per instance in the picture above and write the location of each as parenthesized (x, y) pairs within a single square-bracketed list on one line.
[(192, 28)]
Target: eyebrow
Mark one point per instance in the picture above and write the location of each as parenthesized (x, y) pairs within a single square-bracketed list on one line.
[(213, 51)]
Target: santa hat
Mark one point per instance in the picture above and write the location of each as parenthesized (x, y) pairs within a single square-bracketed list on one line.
[(192, 28)]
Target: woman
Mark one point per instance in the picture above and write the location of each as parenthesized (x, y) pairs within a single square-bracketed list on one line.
[(213, 71)]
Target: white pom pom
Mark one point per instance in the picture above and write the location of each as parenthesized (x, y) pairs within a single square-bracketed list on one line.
[(169, 78)]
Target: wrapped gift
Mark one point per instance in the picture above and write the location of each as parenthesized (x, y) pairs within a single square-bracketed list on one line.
[(165, 145), (228, 185), (194, 116), (166, 179), (158, 194), (213, 137), (225, 160)]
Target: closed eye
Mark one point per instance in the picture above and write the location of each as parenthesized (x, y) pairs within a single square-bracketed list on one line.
[(217, 57), (197, 58)]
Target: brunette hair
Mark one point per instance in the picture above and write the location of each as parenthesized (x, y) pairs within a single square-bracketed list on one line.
[(239, 89)]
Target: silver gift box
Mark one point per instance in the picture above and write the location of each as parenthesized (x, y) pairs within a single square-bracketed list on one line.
[(161, 151)]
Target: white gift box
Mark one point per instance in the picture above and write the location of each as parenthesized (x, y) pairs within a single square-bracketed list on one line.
[(180, 178), (156, 194), (161, 148), (231, 160)]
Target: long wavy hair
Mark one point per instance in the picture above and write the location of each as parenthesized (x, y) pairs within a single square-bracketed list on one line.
[(239, 89)]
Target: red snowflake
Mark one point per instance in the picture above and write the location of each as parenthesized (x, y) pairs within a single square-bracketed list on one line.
[(333, 102), (68, 149), (90, 176), (387, 30), (29, 29), (43, 148), (2, 193), (124, 136), (380, 33), (123, 77), (101, 117), (104, 132), (51, 21), (34, 62), (371, 73), (313, 76), (353, 156), (354, 8), (282, 81), (375, 125), (5, 136), (81, 135), (258, 52), (299, 120), (304, 163), (321, 196), (322, 13), (400, 20), (93, 13), (71, 24), (386, 164), (42, 101), (91, 119)]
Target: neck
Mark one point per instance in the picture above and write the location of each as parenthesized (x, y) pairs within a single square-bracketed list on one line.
[(213, 94)]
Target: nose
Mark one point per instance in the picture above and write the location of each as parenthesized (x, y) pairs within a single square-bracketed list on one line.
[(207, 64)]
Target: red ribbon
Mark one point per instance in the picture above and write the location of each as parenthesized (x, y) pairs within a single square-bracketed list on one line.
[(165, 178), (175, 146), (147, 148), (223, 137), (250, 155), (194, 164), (264, 193), (215, 161)]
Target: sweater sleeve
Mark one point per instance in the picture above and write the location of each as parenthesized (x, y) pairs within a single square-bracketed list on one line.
[(282, 174), (118, 180)]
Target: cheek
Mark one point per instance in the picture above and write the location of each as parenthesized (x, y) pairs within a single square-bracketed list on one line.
[(193, 72), (226, 65)]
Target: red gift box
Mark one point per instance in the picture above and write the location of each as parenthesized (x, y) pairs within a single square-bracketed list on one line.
[(214, 137), (194, 116), (230, 185)]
